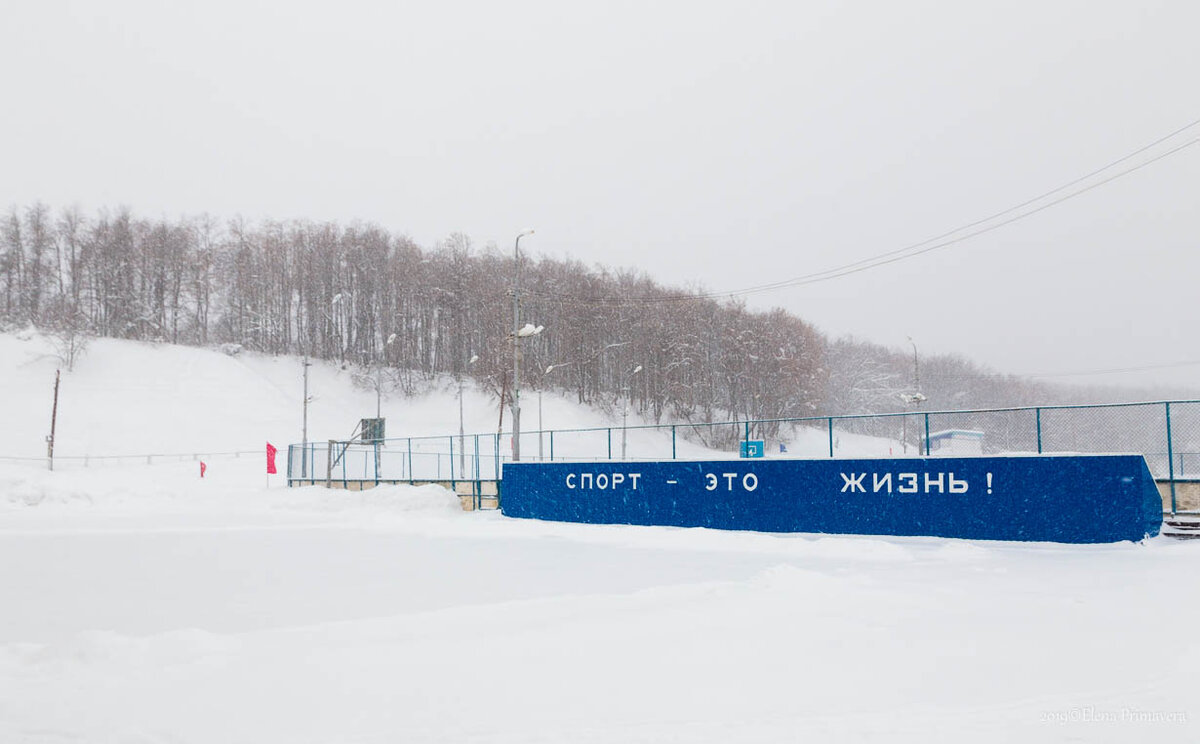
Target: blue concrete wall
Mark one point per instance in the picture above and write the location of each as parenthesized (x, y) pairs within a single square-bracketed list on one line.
[(1074, 499)]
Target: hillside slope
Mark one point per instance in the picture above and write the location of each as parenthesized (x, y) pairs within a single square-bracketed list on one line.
[(137, 398)]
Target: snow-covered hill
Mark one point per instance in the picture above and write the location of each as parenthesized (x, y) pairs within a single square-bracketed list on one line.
[(135, 399), (128, 398)]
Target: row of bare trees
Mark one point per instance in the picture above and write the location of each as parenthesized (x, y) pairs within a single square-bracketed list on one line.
[(111, 275), (367, 298)]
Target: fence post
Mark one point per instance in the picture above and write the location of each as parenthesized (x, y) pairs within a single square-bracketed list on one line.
[(673, 455), (830, 436), (475, 489), (927, 435), (476, 468), (551, 445), (451, 463), (1039, 429), (410, 471), (610, 444), (747, 438), (1170, 460)]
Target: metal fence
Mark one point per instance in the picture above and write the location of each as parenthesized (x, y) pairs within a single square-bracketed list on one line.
[(1167, 433)]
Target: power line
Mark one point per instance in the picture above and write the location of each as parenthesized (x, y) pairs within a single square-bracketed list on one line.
[(1116, 370), (889, 258), (913, 250), (1014, 208)]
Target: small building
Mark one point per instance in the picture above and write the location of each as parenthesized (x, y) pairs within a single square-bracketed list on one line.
[(956, 442)]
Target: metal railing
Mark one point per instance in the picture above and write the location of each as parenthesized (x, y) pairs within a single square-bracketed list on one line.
[(67, 462), (1167, 433)]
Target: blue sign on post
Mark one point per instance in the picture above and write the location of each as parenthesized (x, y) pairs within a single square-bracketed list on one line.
[(1073, 499), (753, 448)]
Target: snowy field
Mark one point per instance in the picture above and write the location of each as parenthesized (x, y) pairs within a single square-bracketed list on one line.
[(143, 604)]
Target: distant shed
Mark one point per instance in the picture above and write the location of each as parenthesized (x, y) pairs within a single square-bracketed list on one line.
[(956, 442)]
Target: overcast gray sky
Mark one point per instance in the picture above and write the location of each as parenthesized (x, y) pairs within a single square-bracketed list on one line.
[(718, 144)]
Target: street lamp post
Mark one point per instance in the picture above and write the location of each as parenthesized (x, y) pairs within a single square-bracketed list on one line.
[(917, 397), (516, 338), (379, 378), (541, 429), (915, 400), (304, 409), (304, 421), (553, 367), (462, 436), (916, 367), (625, 409)]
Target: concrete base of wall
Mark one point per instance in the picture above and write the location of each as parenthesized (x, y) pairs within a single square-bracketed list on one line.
[(1187, 495), (487, 492)]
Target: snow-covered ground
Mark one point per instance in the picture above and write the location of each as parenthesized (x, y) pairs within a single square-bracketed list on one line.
[(143, 604)]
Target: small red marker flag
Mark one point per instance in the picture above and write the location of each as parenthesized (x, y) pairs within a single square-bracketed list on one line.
[(203, 467), (271, 459)]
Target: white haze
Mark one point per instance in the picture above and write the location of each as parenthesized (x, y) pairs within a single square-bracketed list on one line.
[(718, 145)]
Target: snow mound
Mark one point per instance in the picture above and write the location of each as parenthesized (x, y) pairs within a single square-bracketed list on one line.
[(103, 649), (428, 500), (22, 487)]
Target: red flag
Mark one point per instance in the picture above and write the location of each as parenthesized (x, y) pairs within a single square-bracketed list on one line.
[(270, 459), (203, 467)]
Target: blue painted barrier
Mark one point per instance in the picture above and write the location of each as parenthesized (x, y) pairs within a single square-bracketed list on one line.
[(1072, 499)]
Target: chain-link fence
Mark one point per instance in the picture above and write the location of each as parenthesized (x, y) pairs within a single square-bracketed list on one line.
[(415, 459), (1167, 433)]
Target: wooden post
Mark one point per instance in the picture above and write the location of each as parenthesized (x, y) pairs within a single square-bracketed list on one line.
[(503, 395), (53, 422), (329, 464)]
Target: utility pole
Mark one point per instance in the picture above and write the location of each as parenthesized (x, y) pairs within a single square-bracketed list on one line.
[(516, 340), (917, 396), (379, 377), (916, 367), (304, 424), (624, 425), (462, 437), (625, 407), (53, 422), (503, 393)]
